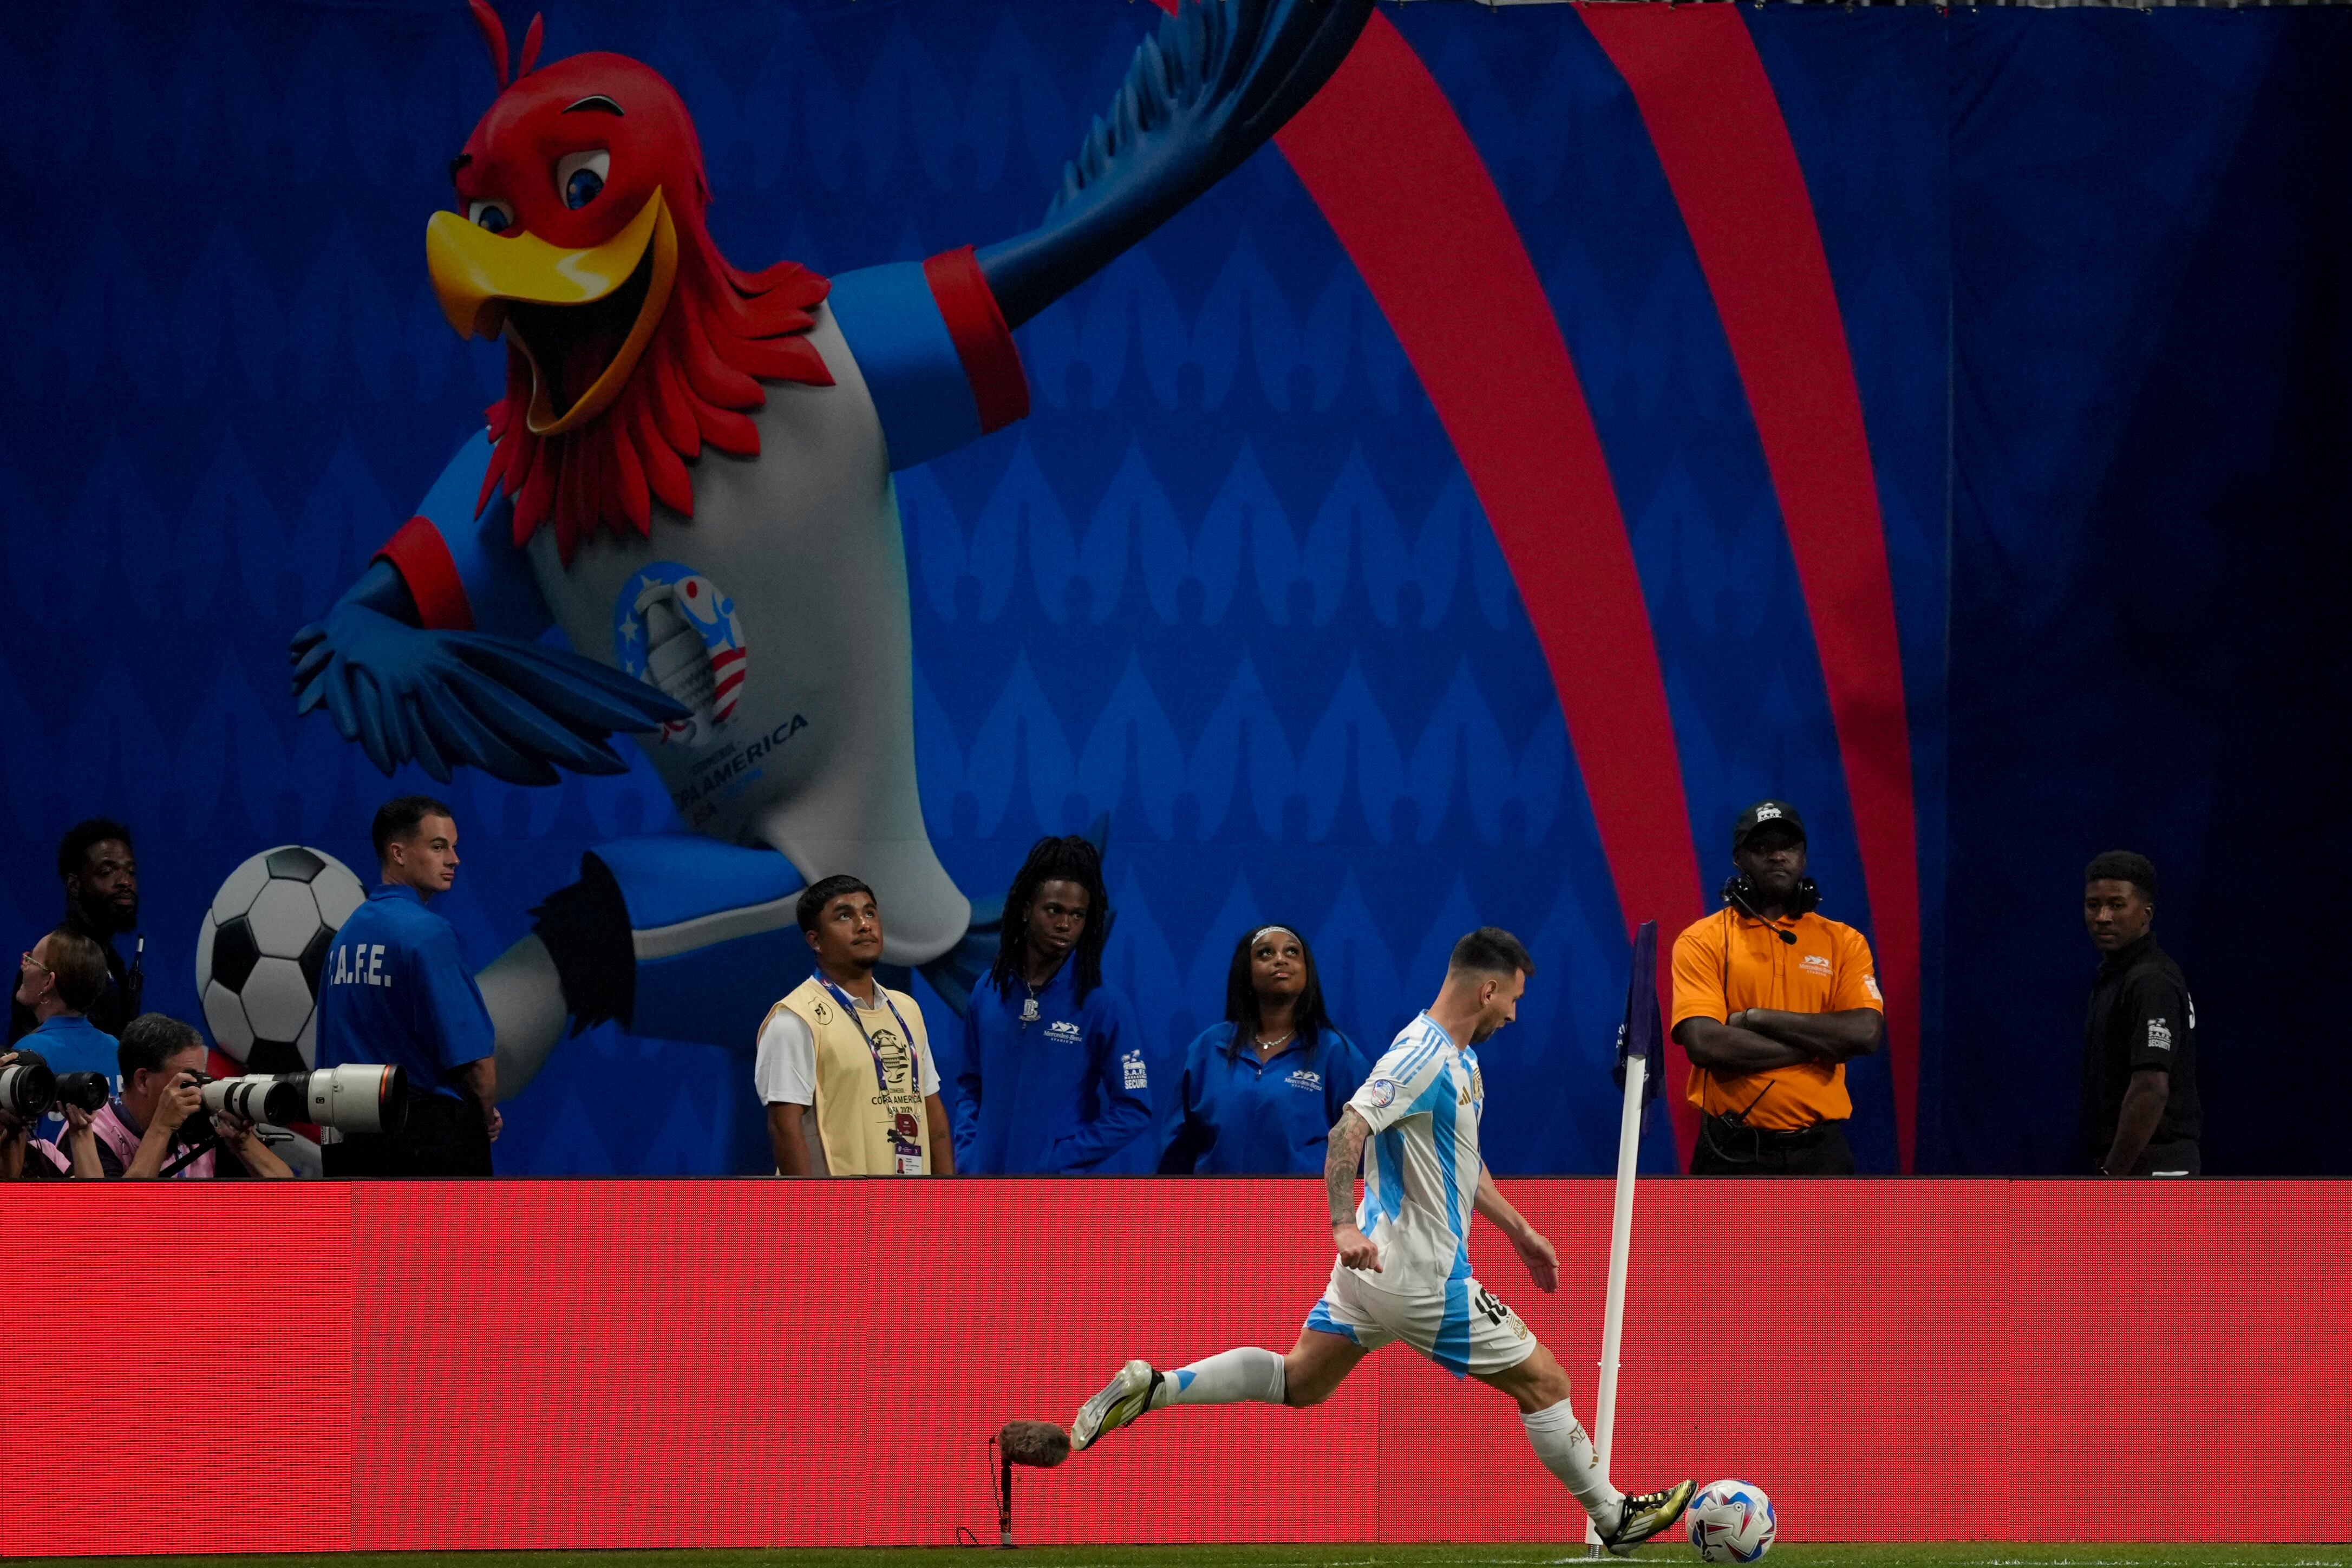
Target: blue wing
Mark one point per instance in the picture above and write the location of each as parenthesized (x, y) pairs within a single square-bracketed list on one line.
[(1222, 77), (446, 699)]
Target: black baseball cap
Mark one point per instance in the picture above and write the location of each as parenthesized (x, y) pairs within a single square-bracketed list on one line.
[(1758, 814)]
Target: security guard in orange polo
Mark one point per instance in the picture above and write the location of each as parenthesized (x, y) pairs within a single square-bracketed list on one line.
[(1770, 1002)]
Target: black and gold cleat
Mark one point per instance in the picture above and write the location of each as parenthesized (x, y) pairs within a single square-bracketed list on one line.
[(1643, 1515), (1127, 1396)]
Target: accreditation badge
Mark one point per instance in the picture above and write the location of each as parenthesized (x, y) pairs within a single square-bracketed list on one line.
[(906, 1143)]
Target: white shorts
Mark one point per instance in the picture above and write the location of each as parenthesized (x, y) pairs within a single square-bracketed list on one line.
[(1461, 1327)]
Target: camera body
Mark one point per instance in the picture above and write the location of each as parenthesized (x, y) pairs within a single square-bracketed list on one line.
[(364, 1100)]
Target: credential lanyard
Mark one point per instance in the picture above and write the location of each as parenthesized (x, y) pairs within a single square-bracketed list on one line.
[(849, 1005)]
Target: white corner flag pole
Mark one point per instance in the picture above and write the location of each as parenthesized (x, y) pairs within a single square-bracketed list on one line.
[(1621, 1248)]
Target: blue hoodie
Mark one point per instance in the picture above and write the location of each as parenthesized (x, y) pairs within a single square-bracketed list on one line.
[(1067, 1094)]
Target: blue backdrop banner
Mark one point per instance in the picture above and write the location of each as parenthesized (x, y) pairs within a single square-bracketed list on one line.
[(1230, 581)]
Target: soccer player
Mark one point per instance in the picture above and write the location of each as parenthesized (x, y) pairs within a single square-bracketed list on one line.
[(1403, 1269)]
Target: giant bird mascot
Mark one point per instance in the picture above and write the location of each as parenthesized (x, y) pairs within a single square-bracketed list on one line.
[(691, 475)]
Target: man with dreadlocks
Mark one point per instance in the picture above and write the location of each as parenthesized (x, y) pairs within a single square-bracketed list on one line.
[(1055, 1080)]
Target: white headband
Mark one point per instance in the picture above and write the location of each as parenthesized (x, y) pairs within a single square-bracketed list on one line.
[(1263, 930)]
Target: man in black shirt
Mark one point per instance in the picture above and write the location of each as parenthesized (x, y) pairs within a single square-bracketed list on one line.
[(2139, 1062), (102, 883)]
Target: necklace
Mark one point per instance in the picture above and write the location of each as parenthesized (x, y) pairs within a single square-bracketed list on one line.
[(1029, 1008), (1277, 1043)]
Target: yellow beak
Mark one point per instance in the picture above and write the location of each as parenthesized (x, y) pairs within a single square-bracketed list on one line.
[(477, 275)]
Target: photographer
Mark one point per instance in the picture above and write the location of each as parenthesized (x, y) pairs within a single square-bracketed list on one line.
[(24, 1157), (157, 1119)]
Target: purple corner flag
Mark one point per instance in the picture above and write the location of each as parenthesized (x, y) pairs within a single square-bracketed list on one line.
[(1643, 1034)]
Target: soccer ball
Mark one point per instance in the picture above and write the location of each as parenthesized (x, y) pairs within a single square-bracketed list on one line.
[(1731, 1522), (260, 950)]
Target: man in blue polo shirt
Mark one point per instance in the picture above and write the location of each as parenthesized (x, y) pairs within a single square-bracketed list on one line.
[(1054, 1078), (394, 991)]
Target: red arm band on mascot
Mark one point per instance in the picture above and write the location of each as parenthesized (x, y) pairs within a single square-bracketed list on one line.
[(421, 557), (983, 341)]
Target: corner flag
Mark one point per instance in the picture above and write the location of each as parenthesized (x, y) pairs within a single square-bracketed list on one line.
[(1643, 1034), (1641, 1051)]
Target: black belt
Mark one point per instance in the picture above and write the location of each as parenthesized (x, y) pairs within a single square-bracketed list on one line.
[(1770, 1137)]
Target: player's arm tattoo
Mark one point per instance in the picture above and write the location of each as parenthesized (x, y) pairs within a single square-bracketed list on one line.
[(1340, 1158)]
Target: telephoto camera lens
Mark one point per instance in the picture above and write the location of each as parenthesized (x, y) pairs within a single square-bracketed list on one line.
[(275, 1098), (27, 1086), (365, 1100), (89, 1090), (362, 1099)]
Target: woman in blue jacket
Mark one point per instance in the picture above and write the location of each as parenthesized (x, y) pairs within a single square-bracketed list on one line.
[(1262, 1091)]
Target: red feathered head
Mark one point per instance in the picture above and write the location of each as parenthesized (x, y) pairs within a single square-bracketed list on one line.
[(578, 237)]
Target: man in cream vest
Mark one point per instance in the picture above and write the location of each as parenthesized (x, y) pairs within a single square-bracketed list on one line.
[(844, 1063)]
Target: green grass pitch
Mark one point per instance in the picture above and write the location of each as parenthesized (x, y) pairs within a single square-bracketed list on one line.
[(1540, 1554)]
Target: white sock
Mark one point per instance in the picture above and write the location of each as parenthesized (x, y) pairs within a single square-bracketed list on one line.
[(1229, 1377), (1560, 1442)]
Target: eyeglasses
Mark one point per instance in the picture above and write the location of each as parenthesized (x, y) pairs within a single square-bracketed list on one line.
[(29, 963)]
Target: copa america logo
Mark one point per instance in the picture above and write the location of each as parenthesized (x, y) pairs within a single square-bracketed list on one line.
[(674, 629)]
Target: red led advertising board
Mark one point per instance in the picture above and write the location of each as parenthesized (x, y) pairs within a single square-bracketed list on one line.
[(217, 1367)]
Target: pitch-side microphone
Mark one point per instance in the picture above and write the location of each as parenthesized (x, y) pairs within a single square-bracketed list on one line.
[(1734, 895)]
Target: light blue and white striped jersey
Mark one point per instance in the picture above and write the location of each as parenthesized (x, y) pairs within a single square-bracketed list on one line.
[(1423, 1103)]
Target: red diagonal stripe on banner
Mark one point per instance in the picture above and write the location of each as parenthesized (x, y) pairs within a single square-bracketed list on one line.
[(1382, 153), (1718, 133)]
